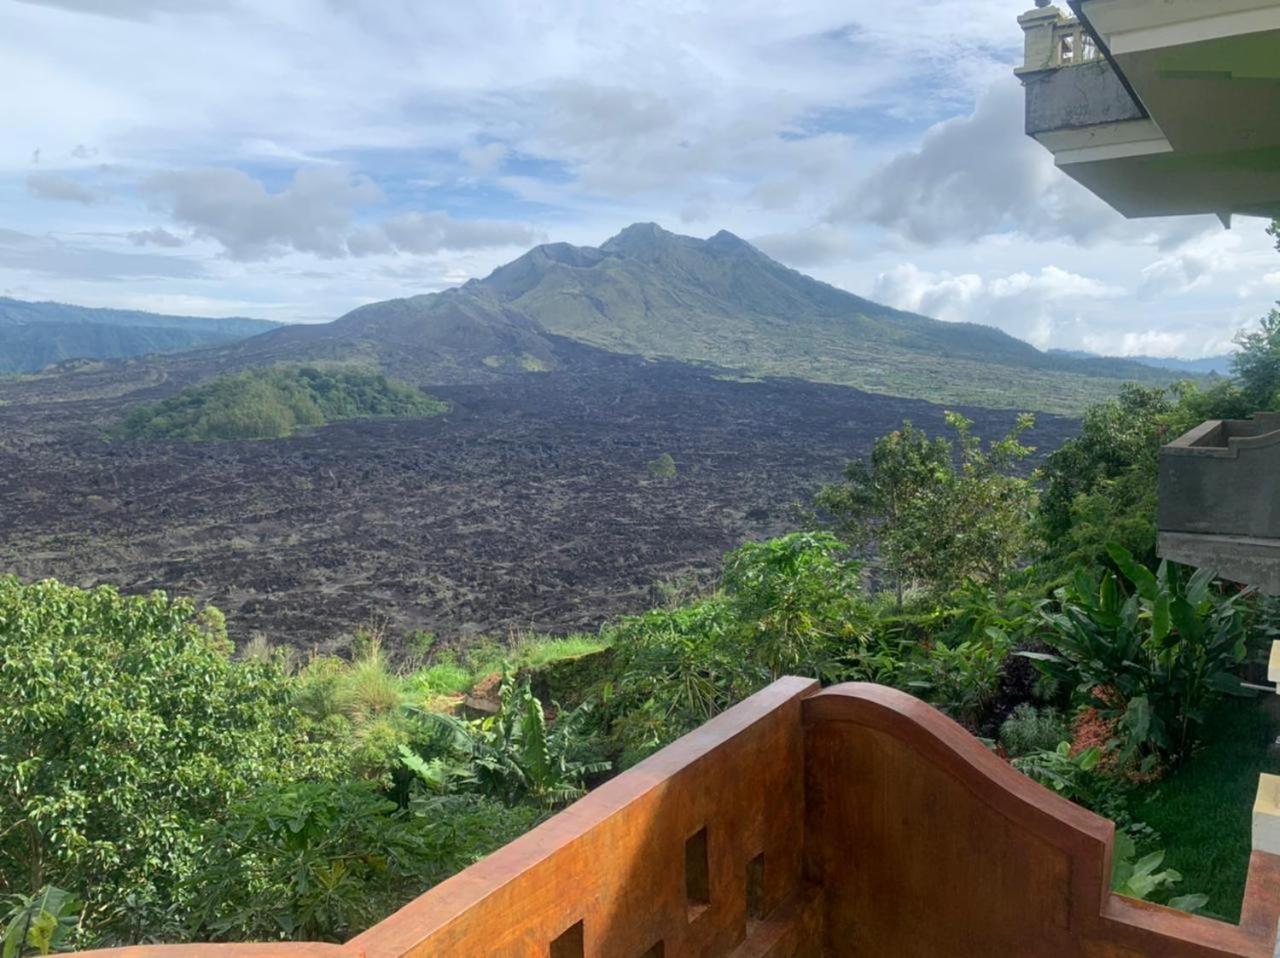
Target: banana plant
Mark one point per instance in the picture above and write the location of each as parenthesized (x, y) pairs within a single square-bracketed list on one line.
[(1152, 651), (41, 924), (513, 755)]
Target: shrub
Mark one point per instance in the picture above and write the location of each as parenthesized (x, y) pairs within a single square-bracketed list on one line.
[(1153, 661), (323, 860), (126, 726), (664, 467), (1031, 729), (40, 924), (788, 605), (515, 755), (960, 679)]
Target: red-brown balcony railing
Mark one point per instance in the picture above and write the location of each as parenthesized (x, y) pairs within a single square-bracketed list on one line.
[(855, 821)]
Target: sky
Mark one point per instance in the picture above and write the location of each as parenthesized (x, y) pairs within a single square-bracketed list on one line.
[(293, 159)]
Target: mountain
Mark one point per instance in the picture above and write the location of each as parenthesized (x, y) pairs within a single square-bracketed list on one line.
[(718, 302), (34, 335), (1210, 365)]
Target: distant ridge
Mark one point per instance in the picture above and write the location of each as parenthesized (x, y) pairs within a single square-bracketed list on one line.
[(1209, 365), (36, 334)]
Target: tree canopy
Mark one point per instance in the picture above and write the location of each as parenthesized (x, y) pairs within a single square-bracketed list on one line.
[(275, 402)]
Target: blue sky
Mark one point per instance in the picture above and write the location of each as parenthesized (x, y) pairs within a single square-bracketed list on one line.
[(292, 159)]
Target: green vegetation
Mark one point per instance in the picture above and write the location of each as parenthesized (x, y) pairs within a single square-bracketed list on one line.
[(1152, 662), (943, 511), (664, 467), (124, 727), (185, 794), (275, 402)]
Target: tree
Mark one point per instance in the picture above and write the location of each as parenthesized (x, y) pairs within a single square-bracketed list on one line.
[(125, 726), (1257, 364), (879, 497), (940, 510), (1101, 485)]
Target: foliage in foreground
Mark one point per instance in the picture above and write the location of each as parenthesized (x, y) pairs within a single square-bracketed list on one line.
[(270, 403), (184, 794), (124, 726), (320, 861), (1152, 661)]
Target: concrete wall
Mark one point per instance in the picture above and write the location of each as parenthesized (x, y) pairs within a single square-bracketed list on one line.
[(1077, 96)]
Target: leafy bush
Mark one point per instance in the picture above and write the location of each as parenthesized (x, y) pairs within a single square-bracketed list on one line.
[(1100, 486), (40, 924), (664, 467), (796, 599), (1153, 661), (125, 726), (274, 402), (960, 679), (1031, 729), (514, 755), (789, 605), (1137, 878), (321, 861)]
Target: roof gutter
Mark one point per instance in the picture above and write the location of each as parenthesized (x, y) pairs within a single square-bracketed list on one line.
[(1077, 7)]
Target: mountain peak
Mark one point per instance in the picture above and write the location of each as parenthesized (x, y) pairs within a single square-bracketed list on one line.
[(724, 240), (638, 237)]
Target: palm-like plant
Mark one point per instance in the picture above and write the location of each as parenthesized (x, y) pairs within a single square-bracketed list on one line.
[(1152, 660), (513, 755)]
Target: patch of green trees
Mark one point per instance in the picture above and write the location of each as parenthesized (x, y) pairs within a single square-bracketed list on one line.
[(273, 402)]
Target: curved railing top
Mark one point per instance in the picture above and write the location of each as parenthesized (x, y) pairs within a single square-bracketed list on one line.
[(1100, 916)]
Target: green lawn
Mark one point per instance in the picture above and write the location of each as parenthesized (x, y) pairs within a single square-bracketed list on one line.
[(1203, 811)]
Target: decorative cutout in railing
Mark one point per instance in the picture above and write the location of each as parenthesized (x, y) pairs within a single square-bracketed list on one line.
[(1073, 45), (1054, 41)]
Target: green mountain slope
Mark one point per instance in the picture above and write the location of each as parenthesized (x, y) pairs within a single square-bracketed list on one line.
[(722, 301), (718, 302), (33, 335)]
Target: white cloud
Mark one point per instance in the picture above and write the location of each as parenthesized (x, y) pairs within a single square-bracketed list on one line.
[(424, 233), (845, 138), (126, 9), (1035, 307), (156, 236), (976, 175), (316, 213), (50, 256), (55, 186), (1150, 342), (311, 215)]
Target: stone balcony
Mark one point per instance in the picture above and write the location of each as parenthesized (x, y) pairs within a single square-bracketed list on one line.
[(1220, 500), (852, 821), (1160, 107)]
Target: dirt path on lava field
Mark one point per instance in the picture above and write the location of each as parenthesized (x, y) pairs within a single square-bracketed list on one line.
[(528, 505)]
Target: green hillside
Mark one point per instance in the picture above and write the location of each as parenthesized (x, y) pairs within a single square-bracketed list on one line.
[(722, 301), (273, 403), (34, 335)]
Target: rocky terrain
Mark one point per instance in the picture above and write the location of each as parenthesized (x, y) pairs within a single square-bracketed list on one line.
[(529, 505)]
